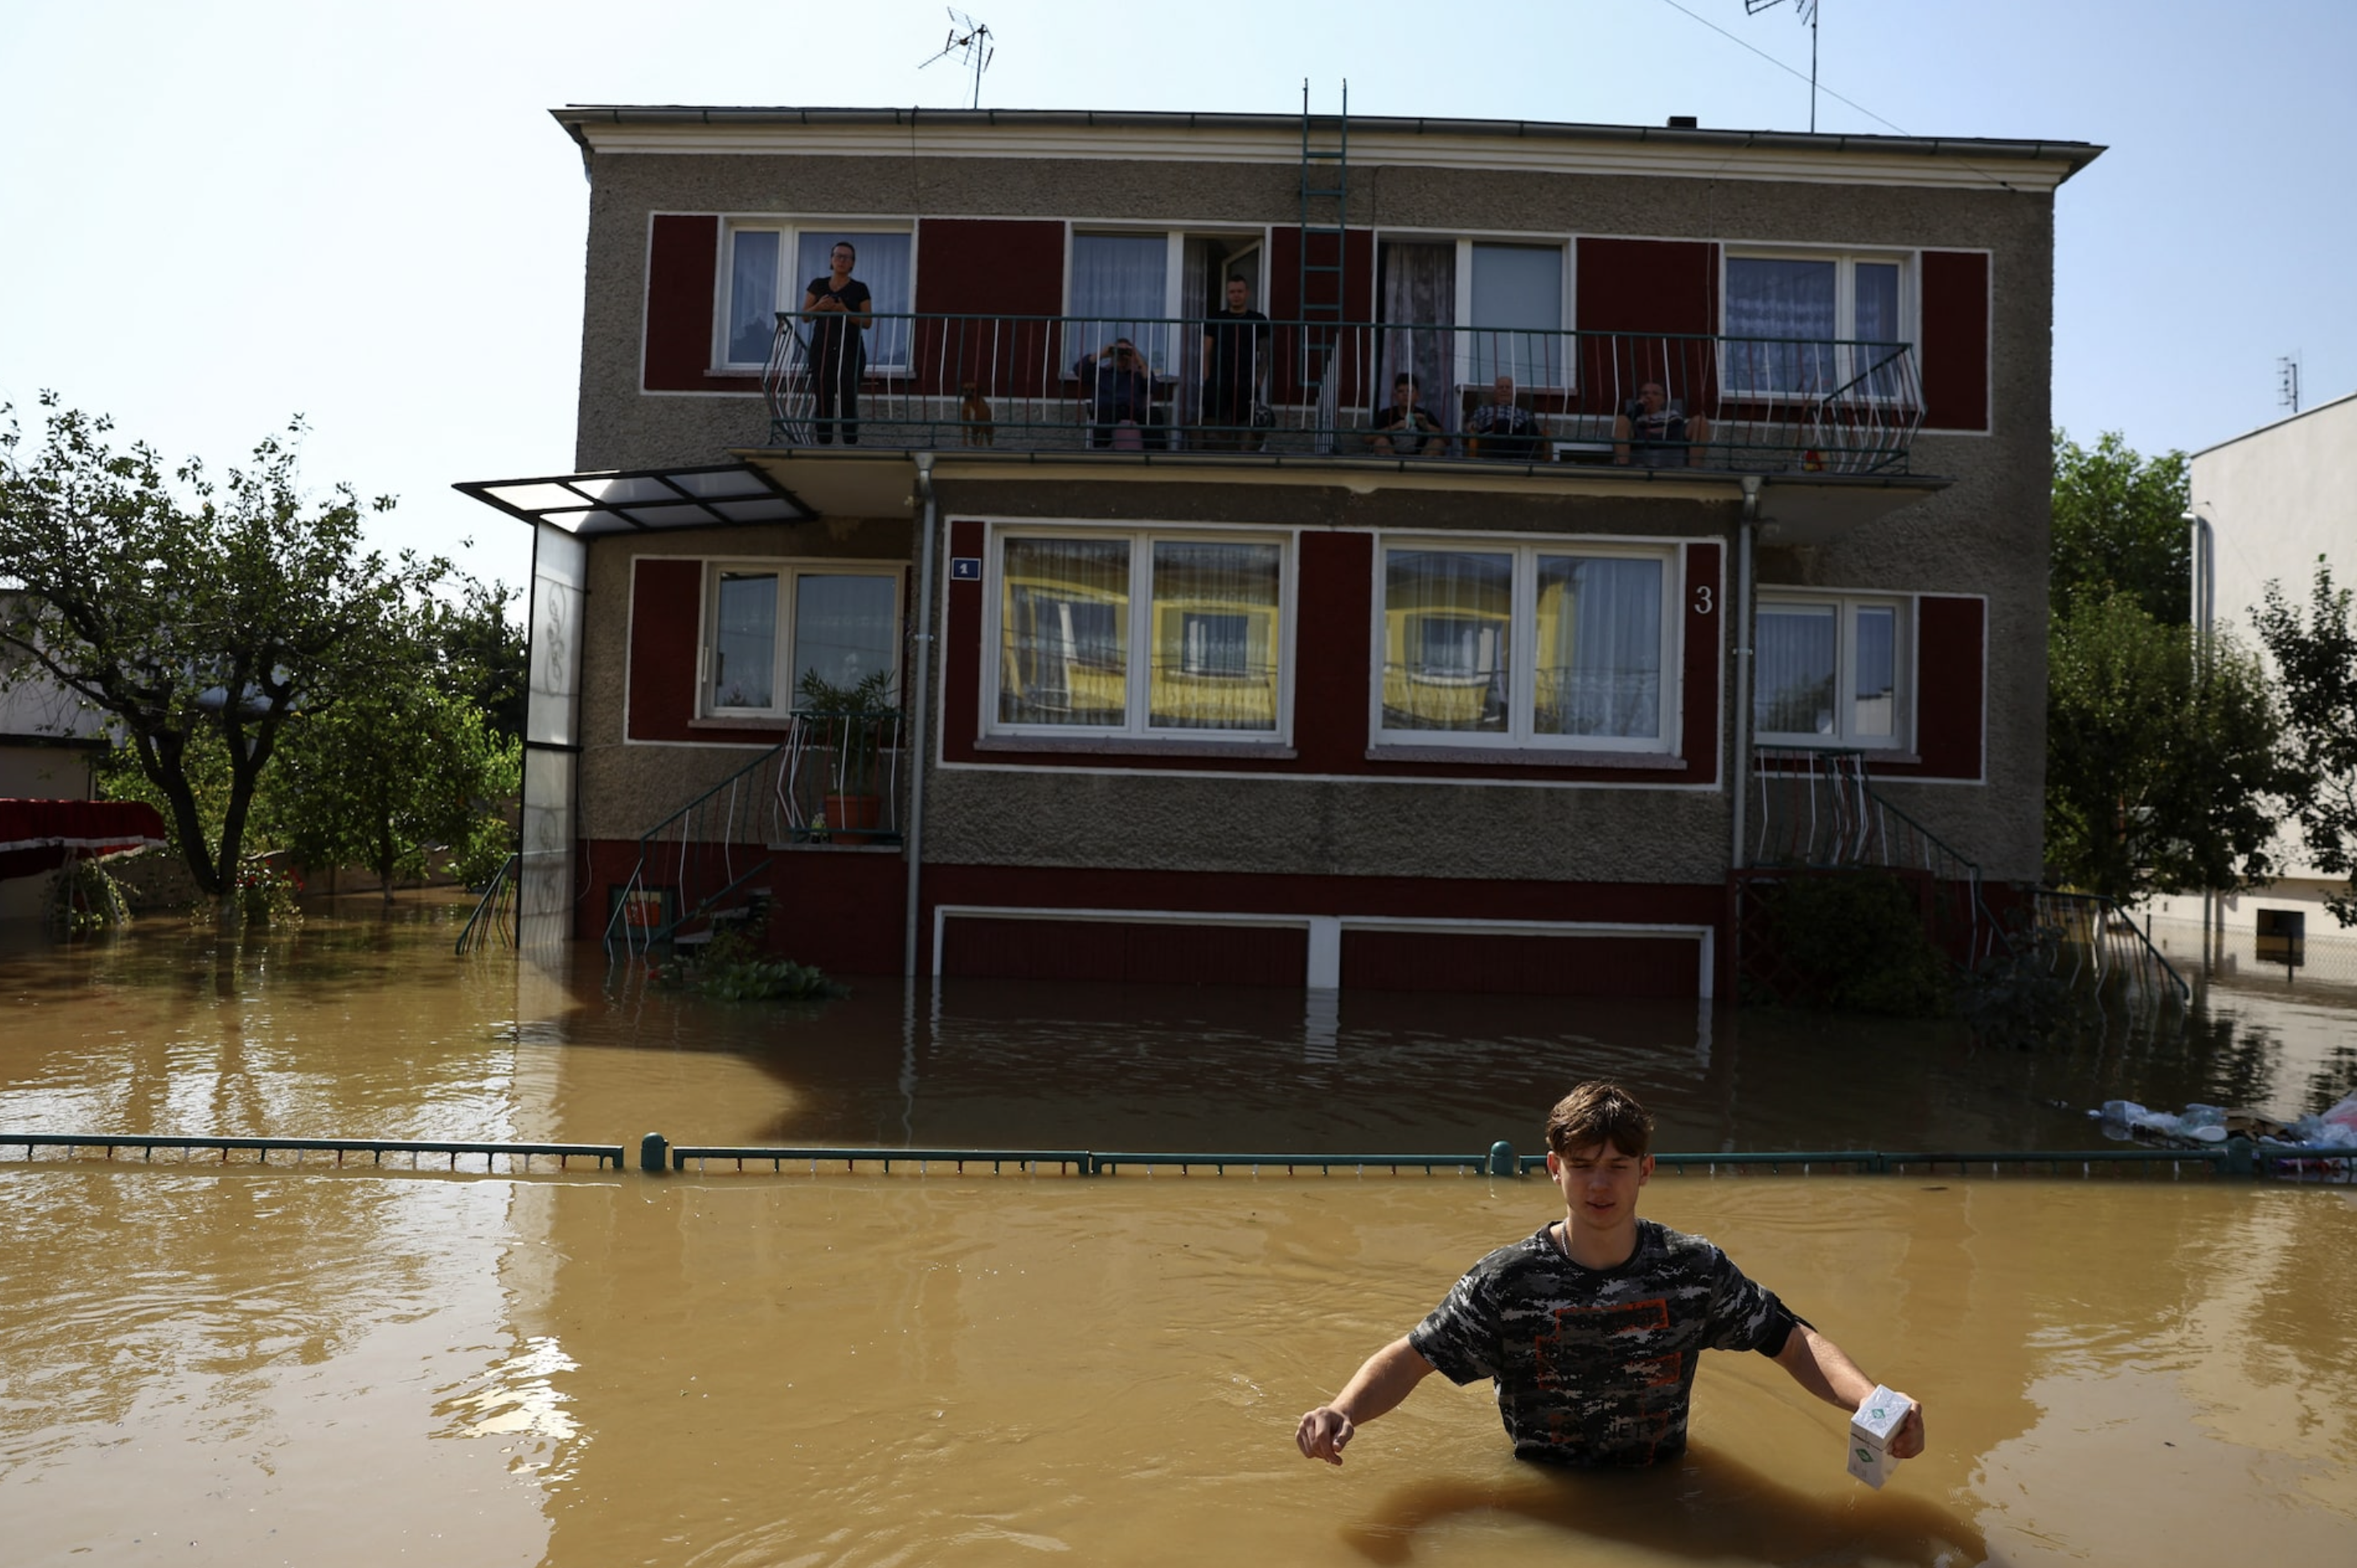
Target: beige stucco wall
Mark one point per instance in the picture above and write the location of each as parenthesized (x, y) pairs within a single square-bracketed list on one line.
[(1987, 534)]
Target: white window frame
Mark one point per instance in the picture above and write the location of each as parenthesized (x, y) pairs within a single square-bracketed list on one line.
[(790, 570), (1846, 264), (1467, 330), (790, 231), (1137, 725), (1521, 734), (1905, 636)]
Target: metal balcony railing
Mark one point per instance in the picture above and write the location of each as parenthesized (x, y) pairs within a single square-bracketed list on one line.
[(1061, 382), (836, 780)]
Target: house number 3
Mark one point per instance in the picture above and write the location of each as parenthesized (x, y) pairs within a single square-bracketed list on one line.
[(1702, 600)]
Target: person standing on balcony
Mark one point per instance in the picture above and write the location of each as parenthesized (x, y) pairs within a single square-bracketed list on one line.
[(837, 306), (1235, 371), (1503, 429), (1655, 432), (1400, 430), (1592, 1329)]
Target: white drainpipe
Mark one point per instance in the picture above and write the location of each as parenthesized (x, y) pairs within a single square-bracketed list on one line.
[(2204, 614)]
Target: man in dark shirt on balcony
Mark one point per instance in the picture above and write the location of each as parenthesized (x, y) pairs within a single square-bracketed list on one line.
[(1402, 430), (1655, 432), (1235, 371), (1503, 429)]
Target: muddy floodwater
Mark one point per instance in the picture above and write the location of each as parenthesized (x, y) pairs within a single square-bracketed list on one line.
[(211, 1362)]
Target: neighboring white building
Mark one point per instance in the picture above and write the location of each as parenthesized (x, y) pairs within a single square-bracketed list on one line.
[(49, 744), (2265, 505)]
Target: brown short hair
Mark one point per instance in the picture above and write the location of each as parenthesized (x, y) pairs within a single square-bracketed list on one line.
[(1599, 1112)]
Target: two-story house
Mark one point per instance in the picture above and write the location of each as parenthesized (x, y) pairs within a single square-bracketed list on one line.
[(1271, 653)]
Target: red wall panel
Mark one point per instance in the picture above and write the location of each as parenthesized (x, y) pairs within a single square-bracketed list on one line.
[(1951, 679), (1522, 965), (1138, 953), (1355, 385), (990, 270), (683, 263), (1331, 690), (1651, 291), (665, 598), (1955, 346)]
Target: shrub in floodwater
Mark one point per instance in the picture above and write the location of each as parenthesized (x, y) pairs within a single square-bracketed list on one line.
[(2020, 996), (266, 894), (1851, 942), (732, 968), (83, 902)]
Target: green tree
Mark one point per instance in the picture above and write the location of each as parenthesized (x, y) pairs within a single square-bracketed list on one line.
[(2315, 667), (485, 659), (2160, 761), (404, 780), (2119, 527), (194, 613)]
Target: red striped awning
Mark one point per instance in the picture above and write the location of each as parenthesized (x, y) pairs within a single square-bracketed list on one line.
[(38, 835)]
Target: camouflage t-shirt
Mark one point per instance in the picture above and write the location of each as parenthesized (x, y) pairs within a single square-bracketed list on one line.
[(1594, 1365)]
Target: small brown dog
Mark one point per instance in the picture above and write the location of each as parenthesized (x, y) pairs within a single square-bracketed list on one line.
[(973, 414)]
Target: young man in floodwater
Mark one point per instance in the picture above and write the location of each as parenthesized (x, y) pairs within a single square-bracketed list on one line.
[(1592, 1329)]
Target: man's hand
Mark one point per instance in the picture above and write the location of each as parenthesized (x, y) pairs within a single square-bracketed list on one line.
[(1908, 1441), (1323, 1432)]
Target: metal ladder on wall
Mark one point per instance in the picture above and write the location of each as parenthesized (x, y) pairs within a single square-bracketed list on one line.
[(1324, 251)]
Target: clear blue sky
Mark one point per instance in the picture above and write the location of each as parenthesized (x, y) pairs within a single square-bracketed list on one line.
[(222, 214)]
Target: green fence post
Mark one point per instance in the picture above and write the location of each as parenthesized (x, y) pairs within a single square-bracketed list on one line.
[(2239, 1160), (1503, 1161), (654, 1153)]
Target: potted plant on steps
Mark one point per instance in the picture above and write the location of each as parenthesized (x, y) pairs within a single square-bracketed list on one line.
[(853, 723)]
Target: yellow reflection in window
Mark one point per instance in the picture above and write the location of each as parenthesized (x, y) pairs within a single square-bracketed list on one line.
[(1063, 620), (1216, 636)]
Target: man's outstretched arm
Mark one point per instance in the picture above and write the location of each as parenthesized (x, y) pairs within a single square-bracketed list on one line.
[(1390, 1375), (1818, 1365)]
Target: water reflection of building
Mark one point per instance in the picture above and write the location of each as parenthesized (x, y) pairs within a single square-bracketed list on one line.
[(1225, 688)]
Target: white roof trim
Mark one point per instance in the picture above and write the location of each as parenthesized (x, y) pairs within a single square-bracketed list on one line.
[(1566, 154)]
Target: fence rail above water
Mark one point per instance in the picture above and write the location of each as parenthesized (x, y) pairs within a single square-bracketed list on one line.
[(145, 1144), (2235, 1156)]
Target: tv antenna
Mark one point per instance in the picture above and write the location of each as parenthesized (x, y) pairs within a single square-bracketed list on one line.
[(1807, 11), (971, 41), (2287, 380)]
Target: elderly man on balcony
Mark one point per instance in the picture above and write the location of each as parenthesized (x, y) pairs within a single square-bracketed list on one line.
[(1503, 429)]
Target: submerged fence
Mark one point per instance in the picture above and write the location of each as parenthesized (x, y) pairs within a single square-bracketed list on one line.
[(658, 1155)]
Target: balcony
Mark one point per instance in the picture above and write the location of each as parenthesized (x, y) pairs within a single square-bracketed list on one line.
[(1028, 384)]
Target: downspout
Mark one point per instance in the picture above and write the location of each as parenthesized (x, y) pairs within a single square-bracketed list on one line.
[(1745, 530), (2204, 610), (920, 698)]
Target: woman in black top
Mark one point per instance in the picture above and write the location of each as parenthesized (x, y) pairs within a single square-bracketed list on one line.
[(837, 306)]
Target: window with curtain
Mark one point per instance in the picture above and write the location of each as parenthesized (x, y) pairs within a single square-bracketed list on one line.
[(1829, 671), (1812, 325), (1210, 642), (1419, 306), (1516, 316), (1117, 291), (1527, 644), (768, 624), (766, 266)]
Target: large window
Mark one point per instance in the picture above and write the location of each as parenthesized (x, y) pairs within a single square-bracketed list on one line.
[(768, 624), (1542, 645), (1141, 634), (1832, 671), (1816, 324), (766, 266), (1514, 312)]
